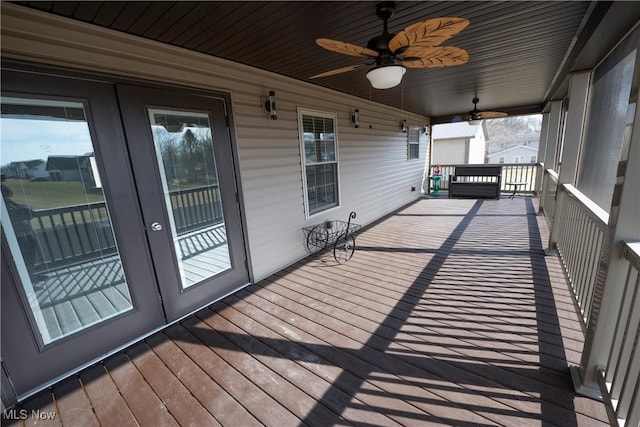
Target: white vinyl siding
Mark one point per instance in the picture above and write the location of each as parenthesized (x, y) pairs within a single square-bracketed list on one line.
[(375, 177), (319, 154), (520, 152)]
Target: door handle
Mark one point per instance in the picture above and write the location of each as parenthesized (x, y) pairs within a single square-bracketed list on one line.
[(156, 226)]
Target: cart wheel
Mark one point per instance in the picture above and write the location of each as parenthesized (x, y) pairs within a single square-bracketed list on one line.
[(317, 238), (343, 248)]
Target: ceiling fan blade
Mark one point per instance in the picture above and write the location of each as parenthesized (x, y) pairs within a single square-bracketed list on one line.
[(337, 71), (346, 48), (431, 32), (492, 114), (434, 57)]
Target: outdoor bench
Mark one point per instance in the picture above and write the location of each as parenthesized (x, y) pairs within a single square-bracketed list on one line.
[(475, 181)]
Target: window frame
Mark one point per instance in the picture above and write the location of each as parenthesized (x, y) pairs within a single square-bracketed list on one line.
[(414, 143), (303, 160)]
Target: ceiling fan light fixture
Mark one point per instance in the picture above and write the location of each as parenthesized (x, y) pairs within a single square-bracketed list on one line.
[(475, 122), (386, 77)]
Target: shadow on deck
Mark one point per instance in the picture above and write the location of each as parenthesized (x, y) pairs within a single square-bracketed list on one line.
[(448, 313)]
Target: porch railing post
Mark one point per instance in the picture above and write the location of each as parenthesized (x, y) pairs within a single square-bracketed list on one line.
[(537, 190)]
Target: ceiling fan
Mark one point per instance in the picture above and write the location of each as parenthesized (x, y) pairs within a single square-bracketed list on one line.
[(476, 117), (417, 46)]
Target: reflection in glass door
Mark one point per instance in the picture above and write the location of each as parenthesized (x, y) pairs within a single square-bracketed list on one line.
[(185, 151), (56, 219)]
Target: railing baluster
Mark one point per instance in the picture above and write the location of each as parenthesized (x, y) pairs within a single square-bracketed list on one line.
[(68, 236), (76, 229), (622, 385), (593, 270), (87, 231), (46, 239)]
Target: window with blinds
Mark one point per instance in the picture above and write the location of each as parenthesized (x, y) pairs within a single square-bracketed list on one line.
[(413, 146), (319, 156)]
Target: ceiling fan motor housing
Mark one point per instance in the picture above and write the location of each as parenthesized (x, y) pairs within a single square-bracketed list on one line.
[(380, 44)]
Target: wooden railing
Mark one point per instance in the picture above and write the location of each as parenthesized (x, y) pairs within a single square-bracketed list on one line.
[(74, 234), (511, 172), (582, 232), (619, 380)]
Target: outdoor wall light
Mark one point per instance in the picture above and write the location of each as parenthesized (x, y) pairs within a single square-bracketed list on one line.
[(355, 118), (425, 130), (403, 125), (270, 105)]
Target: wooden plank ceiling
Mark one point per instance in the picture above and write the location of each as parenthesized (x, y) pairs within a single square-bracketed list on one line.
[(515, 48)]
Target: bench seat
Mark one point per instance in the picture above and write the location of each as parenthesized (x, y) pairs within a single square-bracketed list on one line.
[(476, 181)]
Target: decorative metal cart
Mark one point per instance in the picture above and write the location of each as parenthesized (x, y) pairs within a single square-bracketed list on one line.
[(340, 234)]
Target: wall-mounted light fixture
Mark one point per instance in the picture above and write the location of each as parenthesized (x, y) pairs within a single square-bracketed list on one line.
[(355, 118), (403, 125), (425, 130), (270, 105)]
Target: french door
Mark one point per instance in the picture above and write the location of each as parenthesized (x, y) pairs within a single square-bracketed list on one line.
[(184, 169), (119, 215)]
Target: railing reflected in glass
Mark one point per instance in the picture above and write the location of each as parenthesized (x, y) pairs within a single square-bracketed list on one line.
[(56, 219)]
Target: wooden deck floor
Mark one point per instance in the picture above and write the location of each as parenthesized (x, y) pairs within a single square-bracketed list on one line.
[(449, 313)]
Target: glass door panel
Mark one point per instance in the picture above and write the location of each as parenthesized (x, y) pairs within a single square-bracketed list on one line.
[(56, 219), (184, 166), (184, 148)]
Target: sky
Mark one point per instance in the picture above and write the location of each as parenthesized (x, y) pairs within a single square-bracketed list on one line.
[(28, 139)]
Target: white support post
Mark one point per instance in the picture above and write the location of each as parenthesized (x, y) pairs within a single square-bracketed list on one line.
[(624, 226), (542, 148), (549, 137), (553, 133), (572, 141)]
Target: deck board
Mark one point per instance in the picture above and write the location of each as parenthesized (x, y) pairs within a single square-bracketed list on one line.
[(213, 396), (449, 313), (146, 406), (108, 404)]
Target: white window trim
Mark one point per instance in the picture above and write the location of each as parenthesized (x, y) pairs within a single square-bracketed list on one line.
[(303, 165)]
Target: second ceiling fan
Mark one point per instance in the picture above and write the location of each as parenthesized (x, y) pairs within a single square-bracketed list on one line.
[(475, 116), (417, 46)]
